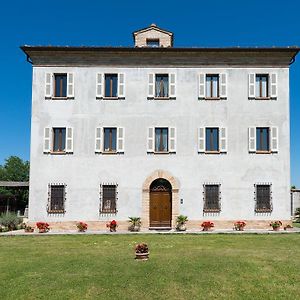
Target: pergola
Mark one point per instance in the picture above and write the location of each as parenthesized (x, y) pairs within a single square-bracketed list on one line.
[(8, 202)]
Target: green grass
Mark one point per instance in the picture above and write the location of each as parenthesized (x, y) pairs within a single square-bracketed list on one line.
[(296, 224), (180, 267)]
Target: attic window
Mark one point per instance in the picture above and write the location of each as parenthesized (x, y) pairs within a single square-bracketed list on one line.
[(152, 43)]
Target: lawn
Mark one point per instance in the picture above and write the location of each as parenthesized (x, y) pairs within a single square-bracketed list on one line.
[(180, 267)]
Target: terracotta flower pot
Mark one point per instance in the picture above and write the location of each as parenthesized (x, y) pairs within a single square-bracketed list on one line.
[(207, 228), (142, 256)]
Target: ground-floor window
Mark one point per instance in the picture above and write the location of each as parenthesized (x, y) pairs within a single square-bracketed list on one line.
[(108, 198), (56, 198), (212, 198), (263, 197)]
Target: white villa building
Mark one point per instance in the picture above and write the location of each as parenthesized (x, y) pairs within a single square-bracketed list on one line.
[(157, 131)]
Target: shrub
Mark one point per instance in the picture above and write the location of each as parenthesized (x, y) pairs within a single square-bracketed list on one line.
[(10, 220), (297, 214)]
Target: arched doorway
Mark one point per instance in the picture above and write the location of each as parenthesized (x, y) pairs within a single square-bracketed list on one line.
[(160, 209)]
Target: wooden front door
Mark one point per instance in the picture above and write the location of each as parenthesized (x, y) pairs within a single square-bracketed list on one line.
[(160, 209)]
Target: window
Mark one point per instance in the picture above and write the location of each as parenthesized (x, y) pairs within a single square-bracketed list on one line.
[(161, 85), (56, 202), (212, 198), (111, 85), (59, 139), (212, 86), (108, 193), (263, 198), (262, 139), (60, 85), (110, 139), (212, 139), (161, 139), (152, 43), (262, 86)]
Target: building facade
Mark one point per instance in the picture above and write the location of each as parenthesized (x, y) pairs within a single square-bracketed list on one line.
[(157, 131)]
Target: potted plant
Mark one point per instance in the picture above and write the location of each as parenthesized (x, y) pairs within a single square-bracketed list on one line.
[(239, 225), (42, 227), (81, 226), (287, 227), (112, 225), (276, 225), (207, 225), (141, 251), (28, 228), (135, 224), (181, 221)]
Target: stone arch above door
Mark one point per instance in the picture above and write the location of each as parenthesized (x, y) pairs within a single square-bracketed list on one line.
[(146, 196)]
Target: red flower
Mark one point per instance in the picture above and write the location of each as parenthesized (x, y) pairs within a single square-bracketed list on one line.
[(207, 224)]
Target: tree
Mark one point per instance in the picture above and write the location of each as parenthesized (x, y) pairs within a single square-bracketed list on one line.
[(293, 187), (15, 169)]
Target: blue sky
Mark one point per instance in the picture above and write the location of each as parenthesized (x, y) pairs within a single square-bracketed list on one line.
[(110, 23)]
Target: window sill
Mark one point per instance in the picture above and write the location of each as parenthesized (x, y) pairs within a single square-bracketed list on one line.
[(262, 98), (263, 152), (212, 152), (58, 152), (109, 152), (212, 98), (59, 98), (161, 152), (263, 210), (110, 98), (161, 98), (56, 211), (212, 210)]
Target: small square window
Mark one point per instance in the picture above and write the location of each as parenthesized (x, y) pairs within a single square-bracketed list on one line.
[(212, 139), (161, 85), (161, 139), (110, 139), (60, 85), (152, 43), (59, 139), (111, 85), (262, 86), (262, 139), (212, 86)]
